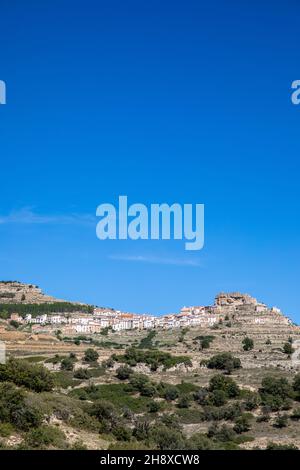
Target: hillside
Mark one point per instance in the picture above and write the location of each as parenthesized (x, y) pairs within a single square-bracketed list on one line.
[(13, 292), (233, 384)]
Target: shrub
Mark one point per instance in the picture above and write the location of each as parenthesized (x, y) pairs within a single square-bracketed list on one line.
[(275, 390), (171, 393), (223, 434), (91, 355), (167, 439), (296, 384), (224, 361), (22, 373), (296, 414), (281, 421), (141, 430), (67, 364), (124, 372), (153, 358), (248, 344), (205, 343), (141, 383), (82, 374), (14, 324), (252, 401), (274, 446), (242, 424), (217, 398), (153, 407), (201, 395), (148, 390), (15, 409), (146, 343), (184, 401), (45, 436), (225, 384), (200, 442), (122, 434), (288, 348)]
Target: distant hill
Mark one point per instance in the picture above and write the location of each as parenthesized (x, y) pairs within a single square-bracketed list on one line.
[(13, 292)]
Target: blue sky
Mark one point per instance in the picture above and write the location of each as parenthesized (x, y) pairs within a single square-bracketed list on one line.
[(169, 101)]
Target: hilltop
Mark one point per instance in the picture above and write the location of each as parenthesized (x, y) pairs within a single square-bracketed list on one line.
[(13, 292)]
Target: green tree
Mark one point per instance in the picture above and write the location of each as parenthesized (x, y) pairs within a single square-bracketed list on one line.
[(67, 363), (226, 384), (171, 393), (281, 421), (22, 373), (124, 372), (184, 401), (242, 423), (224, 361), (248, 344), (91, 355)]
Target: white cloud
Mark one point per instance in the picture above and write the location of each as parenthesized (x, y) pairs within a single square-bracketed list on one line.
[(27, 216), (156, 260)]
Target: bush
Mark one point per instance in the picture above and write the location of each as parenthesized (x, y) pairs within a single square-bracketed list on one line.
[(141, 383), (225, 384), (67, 364), (167, 439), (296, 414), (205, 343), (122, 434), (146, 343), (274, 446), (141, 430), (242, 424), (82, 374), (288, 349), (275, 390), (171, 393), (200, 442), (281, 421), (124, 372), (217, 398), (91, 355), (148, 390), (224, 361), (153, 407), (223, 434), (45, 436), (296, 384), (153, 358), (184, 401), (252, 401), (248, 344), (15, 409), (22, 373)]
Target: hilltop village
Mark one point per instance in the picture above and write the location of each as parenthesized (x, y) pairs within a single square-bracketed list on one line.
[(244, 307)]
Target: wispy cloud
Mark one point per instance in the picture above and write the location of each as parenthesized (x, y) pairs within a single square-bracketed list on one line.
[(156, 260), (28, 216)]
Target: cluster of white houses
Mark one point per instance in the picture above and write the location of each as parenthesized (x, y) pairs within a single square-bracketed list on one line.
[(83, 323)]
